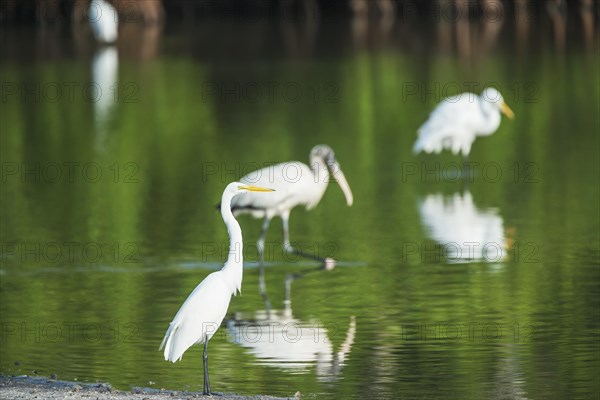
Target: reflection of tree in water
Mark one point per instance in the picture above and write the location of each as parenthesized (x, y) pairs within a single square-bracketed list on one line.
[(279, 340), (469, 28)]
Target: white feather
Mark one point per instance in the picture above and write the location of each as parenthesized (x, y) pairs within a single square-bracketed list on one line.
[(456, 122)]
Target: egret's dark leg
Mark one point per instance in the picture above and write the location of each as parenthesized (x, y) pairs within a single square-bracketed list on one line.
[(328, 263), (260, 244), (205, 357), (285, 218)]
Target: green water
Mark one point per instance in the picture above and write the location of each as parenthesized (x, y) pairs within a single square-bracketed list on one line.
[(108, 222)]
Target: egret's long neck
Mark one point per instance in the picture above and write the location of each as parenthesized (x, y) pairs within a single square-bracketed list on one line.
[(234, 265), (491, 120)]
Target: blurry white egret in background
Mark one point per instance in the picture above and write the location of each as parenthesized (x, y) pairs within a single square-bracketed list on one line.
[(467, 234), (204, 310), (458, 120), (296, 184), (104, 21)]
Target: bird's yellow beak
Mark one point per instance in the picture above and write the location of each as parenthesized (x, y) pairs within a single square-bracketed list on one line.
[(507, 111), (251, 188)]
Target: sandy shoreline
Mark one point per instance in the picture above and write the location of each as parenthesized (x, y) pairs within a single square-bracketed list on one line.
[(27, 387)]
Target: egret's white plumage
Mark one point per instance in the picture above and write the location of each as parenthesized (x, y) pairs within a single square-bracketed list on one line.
[(203, 311), (104, 21), (458, 120), (295, 184)]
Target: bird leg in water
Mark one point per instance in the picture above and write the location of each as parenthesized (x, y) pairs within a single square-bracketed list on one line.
[(285, 218), (289, 279), (260, 244), (205, 357), (328, 262)]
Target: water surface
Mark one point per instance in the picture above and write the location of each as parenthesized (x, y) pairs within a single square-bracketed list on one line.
[(108, 218)]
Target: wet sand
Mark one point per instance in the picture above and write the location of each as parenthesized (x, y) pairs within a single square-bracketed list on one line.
[(27, 387)]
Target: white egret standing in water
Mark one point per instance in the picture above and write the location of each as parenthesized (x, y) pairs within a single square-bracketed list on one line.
[(204, 310), (296, 184), (458, 120), (104, 21)]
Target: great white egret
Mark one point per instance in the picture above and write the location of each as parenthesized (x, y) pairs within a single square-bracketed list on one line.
[(458, 120), (104, 21), (203, 311), (296, 184)]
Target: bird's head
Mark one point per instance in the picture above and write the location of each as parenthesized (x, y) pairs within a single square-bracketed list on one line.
[(494, 97), (322, 153)]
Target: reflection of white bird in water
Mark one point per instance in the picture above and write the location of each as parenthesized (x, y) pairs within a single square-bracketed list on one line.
[(104, 21), (279, 340), (466, 233), (105, 77), (458, 120), (295, 184), (204, 310)]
